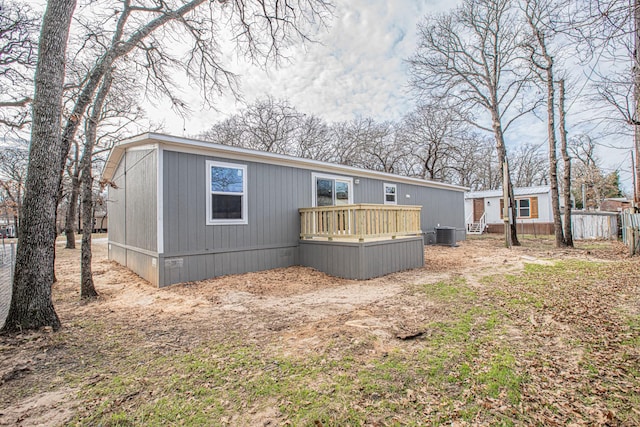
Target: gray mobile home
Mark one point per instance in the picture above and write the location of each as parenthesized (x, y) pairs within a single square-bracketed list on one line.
[(184, 210)]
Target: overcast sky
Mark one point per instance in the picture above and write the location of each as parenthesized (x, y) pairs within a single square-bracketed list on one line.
[(357, 69)]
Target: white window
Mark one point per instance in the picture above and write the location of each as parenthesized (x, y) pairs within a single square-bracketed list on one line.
[(524, 208), (332, 190), (390, 197), (226, 193)]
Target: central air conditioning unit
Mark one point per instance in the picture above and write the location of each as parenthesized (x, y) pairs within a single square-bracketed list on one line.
[(446, 236)]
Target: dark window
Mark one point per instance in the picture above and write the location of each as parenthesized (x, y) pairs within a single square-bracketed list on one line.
[(524, 210), (324, 192), (226, 207), (332, 191)]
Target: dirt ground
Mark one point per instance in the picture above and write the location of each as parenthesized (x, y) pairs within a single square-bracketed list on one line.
[(295, 310)]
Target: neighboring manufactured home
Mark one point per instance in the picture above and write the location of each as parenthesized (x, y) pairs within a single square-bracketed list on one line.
[(183, 210), (483, 210)]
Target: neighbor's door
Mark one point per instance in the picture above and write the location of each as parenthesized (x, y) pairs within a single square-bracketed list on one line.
[(478, 209)]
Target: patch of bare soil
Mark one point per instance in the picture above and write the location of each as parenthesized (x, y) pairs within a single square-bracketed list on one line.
[(296, 310), (50, 408)]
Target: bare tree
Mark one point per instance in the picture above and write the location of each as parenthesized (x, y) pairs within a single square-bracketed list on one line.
[(18, 43), (610, 31), (528, 164), (275, 126), (472, 56), (474, 163), (566, 181), (270, 125), (344, 147), (375, 145), (122, 117), (590, 185), (539, 15), (260, 29), (313, 139), (87, 288), (228, 132), (13, 174), (430, 132), (31, 305), (73, 170)]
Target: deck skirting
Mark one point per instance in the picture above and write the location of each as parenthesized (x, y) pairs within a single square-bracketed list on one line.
[(362, 260)]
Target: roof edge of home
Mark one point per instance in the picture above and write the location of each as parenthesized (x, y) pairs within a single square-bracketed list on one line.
[(177, 143)]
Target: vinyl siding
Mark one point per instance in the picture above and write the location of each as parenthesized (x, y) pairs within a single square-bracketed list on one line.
[(116, 206), (274, 194), (141, 199), (132, 207), (362, 260), (439, 207), (194, 250)]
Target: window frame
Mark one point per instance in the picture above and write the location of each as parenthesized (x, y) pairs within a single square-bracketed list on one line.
[(244, 220), (395, 193), (314, 188), (518, 200)]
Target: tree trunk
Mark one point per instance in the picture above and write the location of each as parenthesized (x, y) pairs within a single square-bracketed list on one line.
[(553, 159), (502, 158), (70, 218), (568, 233), (514, 215), (534, 14), (636, 93), (87, 288), (31, 305)]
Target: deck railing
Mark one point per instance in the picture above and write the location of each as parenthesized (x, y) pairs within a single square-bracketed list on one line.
[(360, 221)]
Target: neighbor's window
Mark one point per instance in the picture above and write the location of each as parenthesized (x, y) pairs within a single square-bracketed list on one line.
[(227, 193), (524, 208), (390, 194)]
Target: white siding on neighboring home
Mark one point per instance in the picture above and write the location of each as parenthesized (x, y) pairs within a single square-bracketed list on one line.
[(492, 204)]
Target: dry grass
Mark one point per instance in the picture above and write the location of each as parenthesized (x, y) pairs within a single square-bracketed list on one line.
[(481, 335)]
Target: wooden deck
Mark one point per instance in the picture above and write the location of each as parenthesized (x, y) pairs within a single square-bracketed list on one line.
[(360, 222)]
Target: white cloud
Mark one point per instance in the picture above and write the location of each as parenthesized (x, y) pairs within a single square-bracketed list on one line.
[(356, 69)]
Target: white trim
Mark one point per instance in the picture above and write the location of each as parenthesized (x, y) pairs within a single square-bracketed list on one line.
[(518, 192), (145, 147), (160, 199), (518, 199), (245, 199), (185, 145), (384, 193), (314, 191)]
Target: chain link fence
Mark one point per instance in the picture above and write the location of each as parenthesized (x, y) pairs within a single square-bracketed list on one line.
[(7, 262)]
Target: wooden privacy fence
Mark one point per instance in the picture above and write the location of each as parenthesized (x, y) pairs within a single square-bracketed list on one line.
[(359, 221), (593, 225), (631, 231)]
